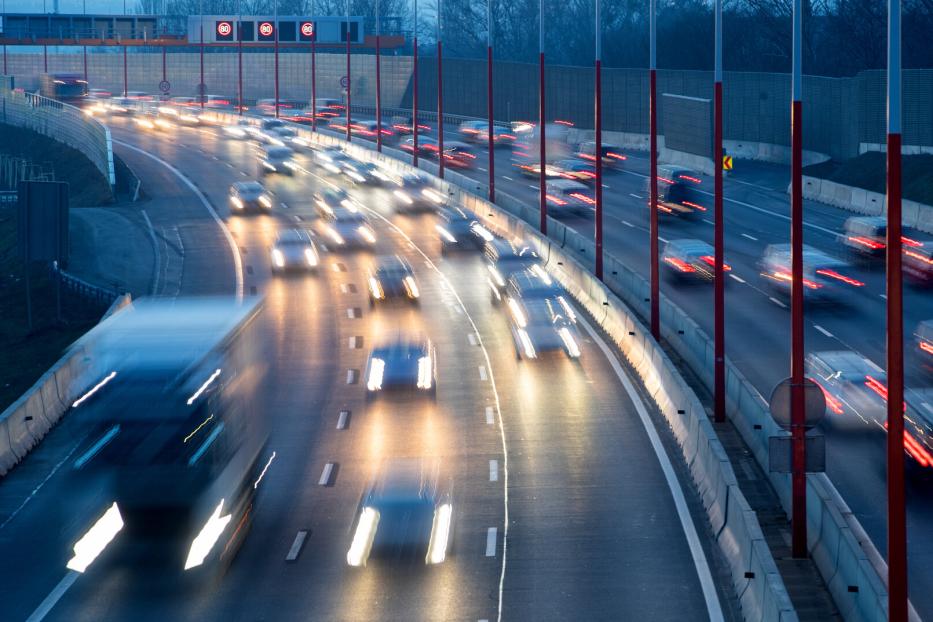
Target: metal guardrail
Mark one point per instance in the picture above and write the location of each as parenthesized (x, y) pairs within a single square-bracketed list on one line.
[(89, 291)]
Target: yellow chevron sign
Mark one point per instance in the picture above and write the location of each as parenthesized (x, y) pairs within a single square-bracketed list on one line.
[(727, 163)]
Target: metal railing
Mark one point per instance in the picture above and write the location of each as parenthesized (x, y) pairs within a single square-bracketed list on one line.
[(94, 293)]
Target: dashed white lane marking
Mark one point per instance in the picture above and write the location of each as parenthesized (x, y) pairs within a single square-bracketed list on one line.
[(627, 223), (491, 534), (737, 278), (356, 342), (285, 205), (343, 288), (244, 173), (493, 470), (353, 313), (713, 607), (883, 296), (342, 419), (472, 339), (662, 239), (709, 222), (483, 169), (750, 237), (777, 302), (325, 474), (54, 596), (490, 417), (482, 372), (822, 330), (296, 546), (352, 376), (637, 196), (532, 186), (507, 177)]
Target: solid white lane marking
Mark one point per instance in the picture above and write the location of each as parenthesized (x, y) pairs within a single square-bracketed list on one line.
[(750, 237), (493, 470), (342, 419), (777, 302), (627, 223), (325, 474), (822, 330), (482, 169), (482, 372), (54, 596), (737, 278), (490, 417), (296, 546), (704, 575), (237, 260), (491, 541), (472, 339)]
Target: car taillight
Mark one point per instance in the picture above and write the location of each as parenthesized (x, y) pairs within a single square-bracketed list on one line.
[(915, 449), (556, 200), (786, 276), (834, 404), (919, 257), (840, 277), (681, 265), (584, 198), (689, 178), (908, 242), (926, 346), (866, 242), (709, 259), (876, 386), (617, 156), (694, 205)]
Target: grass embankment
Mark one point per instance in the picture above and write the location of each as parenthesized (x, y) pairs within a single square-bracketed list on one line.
[(27, 352), (869, 169)]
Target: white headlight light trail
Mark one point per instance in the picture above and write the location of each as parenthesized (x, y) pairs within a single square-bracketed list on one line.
[(517, 314), (440, 534), (336, 237), (542, 274), (482, 232), (573, 349), (377, 369), (424, 372), (411, 287), (527, 346), (278, 259), (497, 276), (447, 235), (376, 288), (203, 543), (311, 257), (567, 309), (367, 234), (265, 200), (403, 196), (363, 538), (93, 543)]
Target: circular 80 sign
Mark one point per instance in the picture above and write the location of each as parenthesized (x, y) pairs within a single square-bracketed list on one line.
[(224, 29), (307, 29), (265, 29)]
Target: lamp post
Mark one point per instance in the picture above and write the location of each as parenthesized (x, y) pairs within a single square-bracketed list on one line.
[(275, 43), (239, 54), (201, 87)]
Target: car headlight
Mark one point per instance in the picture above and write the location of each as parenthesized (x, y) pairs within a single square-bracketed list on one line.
[(425, 372), (355, 176), (93, 543), (447, 235), (517, 313), (440, 534), (237, 203), (367, 234), (482, 232), (376, 288), (350, 205), (269, 165), (278, 259), (264, 200), (334, 235), (527, 346), (377, 368), (497, 276), (567, 309), (432, 195), (411, 287), (291, 165), (403, 196), (363, 538), (208, 536), (573, 350), (311, 257)]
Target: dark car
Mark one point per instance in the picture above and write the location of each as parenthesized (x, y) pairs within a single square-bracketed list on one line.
[(923, 339), (294, 250), (327, 201), (865, 236), (534, 283), (459, 228), (367, 173), (346, 228), (427, 146), (678, 192), (416, 193), (825, 278), (503, 258), (332, 159), (249, 195), (612, 155), (402, 364), (854, 387), (690, 260), (917, 262), (392, 277), (577, 170), (404, 514), (541, 325), (277, 160)]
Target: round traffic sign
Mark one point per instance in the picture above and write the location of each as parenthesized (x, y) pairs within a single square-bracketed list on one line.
[(224, 29), (814, 403), (165, 86), (265, 29), (345, 81), (307, 29)]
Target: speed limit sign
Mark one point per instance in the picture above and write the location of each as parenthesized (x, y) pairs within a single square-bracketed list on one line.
[(165, 86)]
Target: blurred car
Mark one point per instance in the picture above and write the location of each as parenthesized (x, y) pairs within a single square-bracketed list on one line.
[(565, 195), (345, 228), (534, 283), (865, 236), (415, 192), (501, 136), (612, 155), (824, 277), (267, 107), (459, 155), (923, 339), (332, 159), (139, 96), (392, 277), (469, 130), (918, 429), (364, 173), (185, 102), (577, 170), (366, 129), (541, 325), (281, 136), (96, 107), (249, 195), (122, 106), (99, 94), (917, 262), (239, 130), (427, 146), (691, 260), (402, 364), (504, 258), (854, 387), (678, 192), (266, 131), (277, 160), (151, 120), (403, 126), (533, 169), (403, 514), (180, 116), (329, 200), (294, 249), (328, 108), (459, 228)]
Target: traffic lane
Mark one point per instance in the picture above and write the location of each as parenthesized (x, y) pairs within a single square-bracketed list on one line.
[(582, 517)]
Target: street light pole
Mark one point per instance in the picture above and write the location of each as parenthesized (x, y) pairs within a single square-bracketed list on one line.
[(378, 87), (598, 125), (798, 416), (542, 153), (414, 90), (440, 94), (719, 321), (349, 81), (653, 183), (490, 138), (897, 520)]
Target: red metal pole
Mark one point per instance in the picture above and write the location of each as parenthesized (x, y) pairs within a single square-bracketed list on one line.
[(349, 81), (314, 81), (491, 139), (653, 259), (599, 169), (897, 519), (276, 55), (125, 76), (239, 63), (414, 96), (378, 100), (719, 319), (5, 72), (163, 64), (440, 111), (542, 151), (85, 64), (45, 58), (202, 89)]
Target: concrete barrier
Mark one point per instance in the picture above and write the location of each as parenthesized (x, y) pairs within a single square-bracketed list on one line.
[(915, 215), (27, 420)]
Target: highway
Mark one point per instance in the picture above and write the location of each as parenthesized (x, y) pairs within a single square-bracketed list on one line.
[(756, 209), (563, 505)]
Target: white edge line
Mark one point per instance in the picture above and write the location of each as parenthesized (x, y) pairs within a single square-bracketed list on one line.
[(54, 596), (237, 260), (704, 575)]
